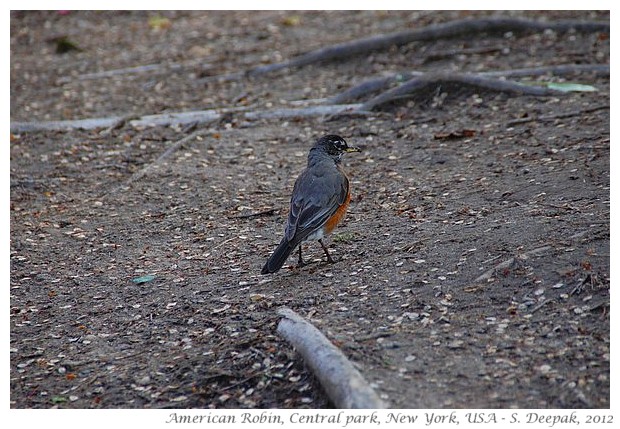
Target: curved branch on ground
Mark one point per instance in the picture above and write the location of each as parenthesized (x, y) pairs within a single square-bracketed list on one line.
[(446, 30)]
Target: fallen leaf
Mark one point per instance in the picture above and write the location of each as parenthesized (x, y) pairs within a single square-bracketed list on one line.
[(143, 279), (571, 87), (562, 86), (159, 23), (291, 21)]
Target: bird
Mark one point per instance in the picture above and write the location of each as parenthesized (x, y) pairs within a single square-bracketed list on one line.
[(320, 198)]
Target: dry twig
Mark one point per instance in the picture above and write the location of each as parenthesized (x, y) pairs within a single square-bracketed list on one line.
[(508, 263), (159, 68), (176, 146), (255, 214)]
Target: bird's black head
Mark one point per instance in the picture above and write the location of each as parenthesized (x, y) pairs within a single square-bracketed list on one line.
[(335, 146)]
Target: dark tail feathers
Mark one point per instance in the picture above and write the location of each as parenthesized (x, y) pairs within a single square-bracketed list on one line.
[(279, 257)]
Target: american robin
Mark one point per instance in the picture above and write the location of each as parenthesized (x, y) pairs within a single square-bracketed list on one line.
[(320, 199)]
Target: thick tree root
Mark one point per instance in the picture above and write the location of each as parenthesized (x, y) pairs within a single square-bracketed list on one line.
[(372, 86), (431, 84), (460, 28)]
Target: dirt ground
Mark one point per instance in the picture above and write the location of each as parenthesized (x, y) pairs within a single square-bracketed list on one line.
[(443, 192)]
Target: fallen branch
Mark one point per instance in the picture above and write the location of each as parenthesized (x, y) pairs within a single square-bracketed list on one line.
[(344, 385), (372, 86), (429, 83), (452, 29), (78, 124), (508, 263), (184, 118)]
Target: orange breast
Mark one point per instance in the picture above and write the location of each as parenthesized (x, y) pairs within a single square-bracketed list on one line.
[(337, 217)]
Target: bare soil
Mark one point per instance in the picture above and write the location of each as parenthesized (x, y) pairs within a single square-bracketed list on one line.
[(444, 191)]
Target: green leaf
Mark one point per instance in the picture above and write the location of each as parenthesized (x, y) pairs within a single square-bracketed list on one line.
[(571, 87), (143, 279), (58, 399)]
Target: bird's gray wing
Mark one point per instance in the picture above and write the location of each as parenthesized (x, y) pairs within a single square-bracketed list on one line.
[(317, 194)]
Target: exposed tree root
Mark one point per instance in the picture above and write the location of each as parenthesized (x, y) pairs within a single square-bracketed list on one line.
[(344, 385), (466, 27), (415, 84), (427, 85), (378, 84), (371, 86)]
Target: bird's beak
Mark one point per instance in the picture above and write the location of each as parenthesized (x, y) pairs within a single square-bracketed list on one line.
[(353, 149)]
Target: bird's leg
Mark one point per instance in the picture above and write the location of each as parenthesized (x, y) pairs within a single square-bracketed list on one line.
[(300, 262), (329, 258)]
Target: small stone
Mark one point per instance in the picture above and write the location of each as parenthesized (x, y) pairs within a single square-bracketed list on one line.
[(545, 369)]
